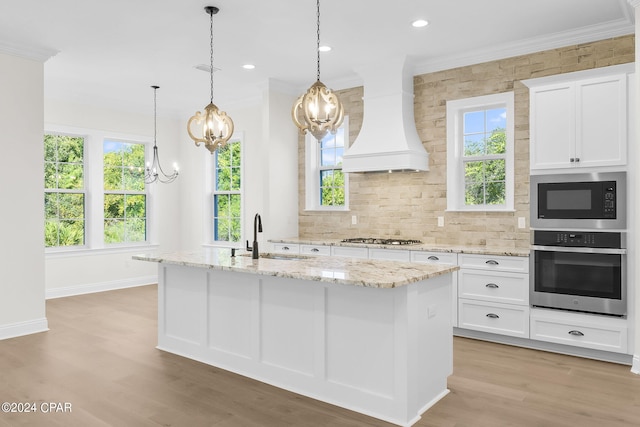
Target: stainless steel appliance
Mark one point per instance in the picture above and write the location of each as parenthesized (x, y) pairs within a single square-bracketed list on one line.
[(581, 271), (377, 241), (579, 201)]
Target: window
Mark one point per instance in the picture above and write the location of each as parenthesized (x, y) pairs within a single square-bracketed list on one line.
[(227, 194), (64, 196), (326, 184), (125, 201), (480, 153)]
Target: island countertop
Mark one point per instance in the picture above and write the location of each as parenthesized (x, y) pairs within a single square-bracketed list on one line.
[(347, 271)]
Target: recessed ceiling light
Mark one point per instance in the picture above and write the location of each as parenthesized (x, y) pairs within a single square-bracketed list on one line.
[(419, 23), (324, 48), (248, 66)]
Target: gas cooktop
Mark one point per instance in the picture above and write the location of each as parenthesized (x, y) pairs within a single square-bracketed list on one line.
[(376, 241)]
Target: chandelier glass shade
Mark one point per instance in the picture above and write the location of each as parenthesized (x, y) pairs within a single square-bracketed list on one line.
[(213, 128), (319, 110), (153, 171)]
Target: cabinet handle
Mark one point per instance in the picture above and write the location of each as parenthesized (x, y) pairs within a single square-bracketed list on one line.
[(285, 248), (571, 160), (577, 159), (433, 258), (315, 250), (492, 262), (492, 286), (493, 316), (576, 333)]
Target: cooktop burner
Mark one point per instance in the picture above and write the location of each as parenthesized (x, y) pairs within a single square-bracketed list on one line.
[(375, 241)]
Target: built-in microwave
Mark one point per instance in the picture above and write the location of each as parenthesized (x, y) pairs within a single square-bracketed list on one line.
[(585, 201)]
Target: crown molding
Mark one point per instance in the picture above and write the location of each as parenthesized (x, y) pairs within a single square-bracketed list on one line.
[(35, 53), (590, 34)]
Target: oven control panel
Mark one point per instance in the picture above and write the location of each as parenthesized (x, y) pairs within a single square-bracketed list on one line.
[(588, 239)]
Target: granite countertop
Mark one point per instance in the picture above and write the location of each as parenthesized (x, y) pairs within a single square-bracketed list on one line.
[(480, 250), (348, 271)]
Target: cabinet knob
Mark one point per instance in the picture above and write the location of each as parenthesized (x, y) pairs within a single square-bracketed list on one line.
[(577, 159), (576, 333), (493, 316), (492, 262), (492, 286), (433, 258), (572, 160)]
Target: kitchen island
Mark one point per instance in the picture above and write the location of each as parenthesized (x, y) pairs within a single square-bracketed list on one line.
[(371, 336)]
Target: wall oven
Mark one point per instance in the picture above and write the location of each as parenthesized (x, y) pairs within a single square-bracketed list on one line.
[(580, 271), (579, 201)]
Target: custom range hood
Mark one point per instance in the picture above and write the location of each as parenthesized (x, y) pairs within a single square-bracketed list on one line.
[(388, 140)]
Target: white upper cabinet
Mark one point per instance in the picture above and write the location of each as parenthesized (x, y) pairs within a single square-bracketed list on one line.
[(579, 123)]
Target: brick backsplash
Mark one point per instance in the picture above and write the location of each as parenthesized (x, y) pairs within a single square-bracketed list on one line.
[(406, 205)]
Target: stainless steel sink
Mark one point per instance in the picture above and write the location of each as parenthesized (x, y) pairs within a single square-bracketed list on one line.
[(285, 257)]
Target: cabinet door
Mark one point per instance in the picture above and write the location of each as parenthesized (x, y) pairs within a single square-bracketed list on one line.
[(552, 130), (601, 118)]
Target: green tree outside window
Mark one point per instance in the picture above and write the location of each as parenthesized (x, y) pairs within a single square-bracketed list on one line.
[(64, 199), (331, 175), (125, 201), (227, 197)]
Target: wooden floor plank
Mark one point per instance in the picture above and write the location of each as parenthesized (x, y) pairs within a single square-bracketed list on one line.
[(100, 356)]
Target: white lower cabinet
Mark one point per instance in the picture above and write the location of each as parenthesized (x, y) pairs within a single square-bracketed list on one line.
[(389, 254), (315, 250), (579, 329), (350, 251), (286, 248), (497, 318), (493, 294)]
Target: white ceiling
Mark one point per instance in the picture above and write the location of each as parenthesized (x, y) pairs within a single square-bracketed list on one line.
[(111, 52)]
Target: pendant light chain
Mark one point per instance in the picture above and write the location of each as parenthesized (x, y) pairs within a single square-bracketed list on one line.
[(155, 115), (211, 57), (318, 36)]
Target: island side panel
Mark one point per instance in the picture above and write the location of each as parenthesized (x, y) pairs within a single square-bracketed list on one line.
[(361, 348)]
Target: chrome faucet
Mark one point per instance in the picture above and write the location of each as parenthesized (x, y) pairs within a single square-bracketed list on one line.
[(257, 228)]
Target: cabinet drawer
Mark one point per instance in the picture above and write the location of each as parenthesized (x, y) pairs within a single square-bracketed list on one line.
[(434, 257), (389, 254), (315, 250), (509, 288), (582, 330), (286, 248), (494, 263), (503, 319), (348, 251)]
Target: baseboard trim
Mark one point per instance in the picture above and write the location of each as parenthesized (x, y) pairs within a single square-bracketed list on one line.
[(19, 329), (635, 364), (90, 288)]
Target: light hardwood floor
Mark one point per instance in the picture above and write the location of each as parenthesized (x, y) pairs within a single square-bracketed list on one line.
[(100, 357)]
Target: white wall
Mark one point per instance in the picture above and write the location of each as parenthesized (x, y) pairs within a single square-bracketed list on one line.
[(103, 269), (22, 286)]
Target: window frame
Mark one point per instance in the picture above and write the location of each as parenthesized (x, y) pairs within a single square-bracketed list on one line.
[(94, 196), (313, 168), (455, 150)]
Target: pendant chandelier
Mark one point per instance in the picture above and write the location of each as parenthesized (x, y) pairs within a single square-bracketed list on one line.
[(319, 110), (153, 171), (213, 128)]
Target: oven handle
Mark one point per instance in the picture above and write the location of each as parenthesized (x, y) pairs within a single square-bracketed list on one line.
[(579, 250)]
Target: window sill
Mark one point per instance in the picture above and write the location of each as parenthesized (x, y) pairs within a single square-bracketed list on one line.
[(507, 210), (336, 209), (77, 252)]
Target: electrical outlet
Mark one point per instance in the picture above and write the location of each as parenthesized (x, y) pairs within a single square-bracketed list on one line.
[(521, 222), (354, 219), (440, 221)]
